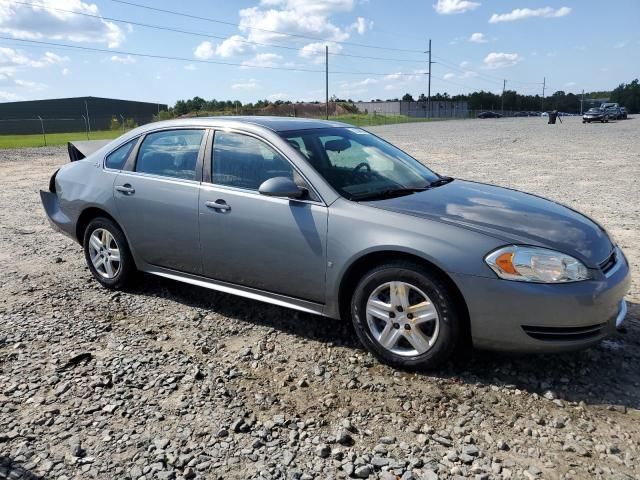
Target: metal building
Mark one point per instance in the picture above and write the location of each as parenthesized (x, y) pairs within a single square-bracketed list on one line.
[(72, 114), (439, 109)]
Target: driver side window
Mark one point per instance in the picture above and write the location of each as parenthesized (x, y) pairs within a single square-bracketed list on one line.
[(242, 161)]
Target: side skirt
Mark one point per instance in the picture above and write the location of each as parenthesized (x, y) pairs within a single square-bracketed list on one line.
[(247, 292)]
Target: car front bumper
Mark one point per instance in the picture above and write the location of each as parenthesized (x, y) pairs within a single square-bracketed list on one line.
[(533, 317), (593, 119)]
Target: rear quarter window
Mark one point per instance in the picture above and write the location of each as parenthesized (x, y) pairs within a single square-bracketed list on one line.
[(116, 159)]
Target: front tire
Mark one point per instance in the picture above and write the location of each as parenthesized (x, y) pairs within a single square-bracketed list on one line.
[(107, 253), (406, 316)]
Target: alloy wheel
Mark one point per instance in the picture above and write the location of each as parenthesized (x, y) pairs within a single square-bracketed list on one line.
[(104, 253), (402, 319)]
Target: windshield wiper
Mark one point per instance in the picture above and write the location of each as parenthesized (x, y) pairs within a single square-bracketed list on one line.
[(388, 193), (440, 181)]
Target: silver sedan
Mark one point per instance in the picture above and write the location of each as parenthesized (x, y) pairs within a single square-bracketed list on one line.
[(329, 219)]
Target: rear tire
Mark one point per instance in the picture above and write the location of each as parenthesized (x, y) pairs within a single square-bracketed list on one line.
[(406, 316), (107, 253)]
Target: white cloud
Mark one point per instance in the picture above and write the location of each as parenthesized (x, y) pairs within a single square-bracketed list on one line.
[(11, 60), (204, 51), (36, 21), (463, 75), (248, 85), (522, 13), (66, 71), (263, 60), (233, 45), (464, 64), (298, 17), (501, 60), (9, 96), (126, 59), (8, 80), (361, 25), (478, 38), (450, 7), (311, 7), (315, 51)]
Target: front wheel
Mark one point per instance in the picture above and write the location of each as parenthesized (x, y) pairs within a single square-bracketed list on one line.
[(107, 253), (406, 316)]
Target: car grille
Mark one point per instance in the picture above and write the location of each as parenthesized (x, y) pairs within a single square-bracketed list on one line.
[(609, 263), (564, 334)]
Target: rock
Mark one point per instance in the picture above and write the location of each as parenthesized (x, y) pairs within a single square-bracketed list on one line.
[(343, 438), (362, 472), (388, 440), (323, 450), (471, 450), (379, 462), (161, 443)]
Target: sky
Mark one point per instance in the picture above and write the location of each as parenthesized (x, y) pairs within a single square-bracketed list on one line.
[(274, 49)]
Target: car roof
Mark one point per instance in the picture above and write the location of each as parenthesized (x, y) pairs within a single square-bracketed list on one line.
[(276, 124)]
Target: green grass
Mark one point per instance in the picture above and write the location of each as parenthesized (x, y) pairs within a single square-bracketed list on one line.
[(369, 120), (24, 141)]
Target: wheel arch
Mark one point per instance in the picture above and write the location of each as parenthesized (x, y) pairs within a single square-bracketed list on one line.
[(366, 262), (86, 216)]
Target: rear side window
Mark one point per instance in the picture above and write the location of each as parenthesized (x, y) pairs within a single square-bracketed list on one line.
[(118, 157), (171, 153)]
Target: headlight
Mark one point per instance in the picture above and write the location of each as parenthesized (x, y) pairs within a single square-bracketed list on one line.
[(532, 264)]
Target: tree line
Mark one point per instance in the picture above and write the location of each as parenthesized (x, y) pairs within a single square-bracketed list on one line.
[(626, 94)]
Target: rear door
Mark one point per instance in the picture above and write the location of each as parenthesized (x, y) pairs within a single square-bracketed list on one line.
[(157, 200), (273, 244)]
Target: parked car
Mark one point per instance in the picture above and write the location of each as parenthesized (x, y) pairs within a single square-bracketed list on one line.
[(623, 113), (595, 115), (521, 114), (330, 219), (489, 115), (612, 111)]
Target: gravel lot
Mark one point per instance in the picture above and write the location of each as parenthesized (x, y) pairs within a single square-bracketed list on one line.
[(171, 381)]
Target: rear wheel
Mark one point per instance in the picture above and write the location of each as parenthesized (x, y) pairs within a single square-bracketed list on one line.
[(406, 316), (107, 253)]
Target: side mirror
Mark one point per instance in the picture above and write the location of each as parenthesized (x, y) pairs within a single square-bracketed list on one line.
[(281, 187)]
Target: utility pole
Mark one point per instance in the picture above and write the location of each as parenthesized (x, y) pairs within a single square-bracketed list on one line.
[(544, 84), (582, 102), (429, 87), (504, 86), (326, 81)]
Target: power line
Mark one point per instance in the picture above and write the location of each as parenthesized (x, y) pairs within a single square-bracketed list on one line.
[(276, 32), (192, 60), (200, 34)]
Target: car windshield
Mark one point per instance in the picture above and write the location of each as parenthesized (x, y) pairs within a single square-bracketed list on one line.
[(594, 110), (359, 165)]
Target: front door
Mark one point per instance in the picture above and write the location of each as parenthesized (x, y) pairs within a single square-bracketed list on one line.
[(158, 201), (273, 244)]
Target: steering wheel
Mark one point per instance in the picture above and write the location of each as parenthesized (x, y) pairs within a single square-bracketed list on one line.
[(357, 168)]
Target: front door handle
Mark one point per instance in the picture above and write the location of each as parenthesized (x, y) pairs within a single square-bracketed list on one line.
[(126, 189), (219, 205)]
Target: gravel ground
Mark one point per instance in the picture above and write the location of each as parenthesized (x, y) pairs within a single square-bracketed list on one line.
[(170, 381)]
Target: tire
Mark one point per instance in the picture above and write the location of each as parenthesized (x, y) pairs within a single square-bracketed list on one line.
[(105, 269), (406, 337)]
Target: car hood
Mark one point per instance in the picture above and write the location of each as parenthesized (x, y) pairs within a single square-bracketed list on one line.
[(510, 215)]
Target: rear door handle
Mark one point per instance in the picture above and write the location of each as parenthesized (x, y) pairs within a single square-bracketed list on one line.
[(126, 189), (219, 205)]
